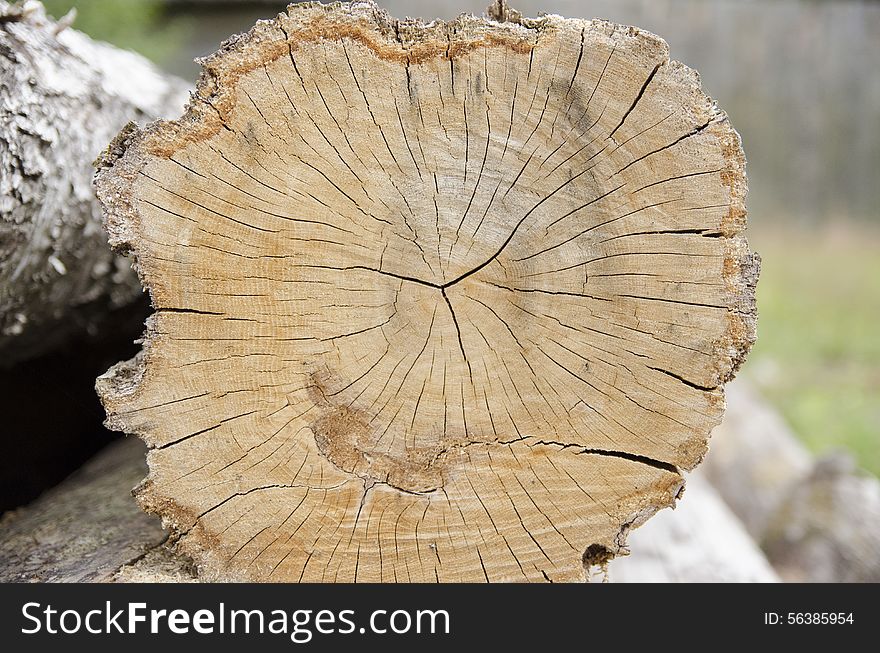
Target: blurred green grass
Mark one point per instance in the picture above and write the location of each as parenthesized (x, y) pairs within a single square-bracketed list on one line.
[(139, 25), (817, 358)]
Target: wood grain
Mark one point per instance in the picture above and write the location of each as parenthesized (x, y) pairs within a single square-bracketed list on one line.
[(443, 302)]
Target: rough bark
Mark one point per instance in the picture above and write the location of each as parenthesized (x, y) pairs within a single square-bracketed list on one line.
[(434, 302), (62, 98)]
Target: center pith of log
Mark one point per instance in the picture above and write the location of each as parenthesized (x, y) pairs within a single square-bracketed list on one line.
[(433, 302)]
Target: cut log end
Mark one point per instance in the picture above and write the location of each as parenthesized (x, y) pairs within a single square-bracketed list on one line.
[(438, 302)]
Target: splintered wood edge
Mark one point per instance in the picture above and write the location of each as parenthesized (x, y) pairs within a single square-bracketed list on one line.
[(406, 41)]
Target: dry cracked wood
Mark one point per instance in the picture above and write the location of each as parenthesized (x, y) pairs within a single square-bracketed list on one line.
[(433, 302), (90, 529)]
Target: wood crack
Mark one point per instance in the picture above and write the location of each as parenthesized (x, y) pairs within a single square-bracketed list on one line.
[(311, 411)]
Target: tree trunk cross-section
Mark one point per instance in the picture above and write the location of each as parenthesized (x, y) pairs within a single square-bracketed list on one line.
[(434, 302)]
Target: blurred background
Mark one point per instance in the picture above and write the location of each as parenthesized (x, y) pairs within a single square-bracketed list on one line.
[(800, 80)]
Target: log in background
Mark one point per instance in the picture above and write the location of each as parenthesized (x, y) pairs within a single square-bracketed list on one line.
[(68, 306)]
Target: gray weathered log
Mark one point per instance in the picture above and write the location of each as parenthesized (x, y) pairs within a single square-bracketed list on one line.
[(86, 528), (817, 521), (754, 459), (828, 527), (62, 99)]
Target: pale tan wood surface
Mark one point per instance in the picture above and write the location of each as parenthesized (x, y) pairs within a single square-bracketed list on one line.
[(433, 302)]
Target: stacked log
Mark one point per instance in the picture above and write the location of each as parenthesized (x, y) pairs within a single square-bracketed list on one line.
[(63, 97)]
